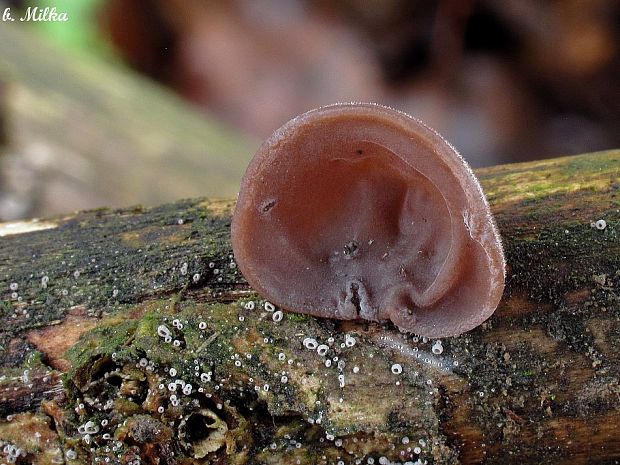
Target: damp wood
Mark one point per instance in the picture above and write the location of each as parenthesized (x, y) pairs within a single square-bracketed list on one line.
[(131, 335)]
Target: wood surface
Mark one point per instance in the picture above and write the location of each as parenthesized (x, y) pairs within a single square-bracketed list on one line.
[(85, 295)]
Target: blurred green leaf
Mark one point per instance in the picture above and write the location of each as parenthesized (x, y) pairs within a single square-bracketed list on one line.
[(81, 32)]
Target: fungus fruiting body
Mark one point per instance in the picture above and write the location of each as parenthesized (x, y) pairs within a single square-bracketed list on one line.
[(358, 211)]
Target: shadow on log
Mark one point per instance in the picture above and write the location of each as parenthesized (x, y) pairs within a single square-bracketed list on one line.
[(129, 336)]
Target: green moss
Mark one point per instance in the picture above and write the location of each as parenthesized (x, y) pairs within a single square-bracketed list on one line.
[(126, 408), (106, 341), (297, 317)]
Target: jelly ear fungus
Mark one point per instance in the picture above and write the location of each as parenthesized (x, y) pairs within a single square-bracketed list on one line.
[(358, 211)]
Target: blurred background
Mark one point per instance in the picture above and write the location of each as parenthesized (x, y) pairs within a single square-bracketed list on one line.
[(153, 100)]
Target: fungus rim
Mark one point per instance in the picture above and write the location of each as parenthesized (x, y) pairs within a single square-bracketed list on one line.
[(482, 229)]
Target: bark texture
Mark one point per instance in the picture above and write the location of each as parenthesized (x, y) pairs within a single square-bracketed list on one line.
[(129, 337)]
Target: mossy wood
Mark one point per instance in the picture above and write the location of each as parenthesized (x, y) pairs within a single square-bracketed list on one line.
[(129, 336)]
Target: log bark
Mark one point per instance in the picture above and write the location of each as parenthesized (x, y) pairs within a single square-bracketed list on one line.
[(110, 315)]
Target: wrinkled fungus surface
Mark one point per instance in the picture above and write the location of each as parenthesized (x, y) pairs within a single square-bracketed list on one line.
[(358, 211)]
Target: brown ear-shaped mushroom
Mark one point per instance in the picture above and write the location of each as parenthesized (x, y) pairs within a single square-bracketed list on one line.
[(358, 211)]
